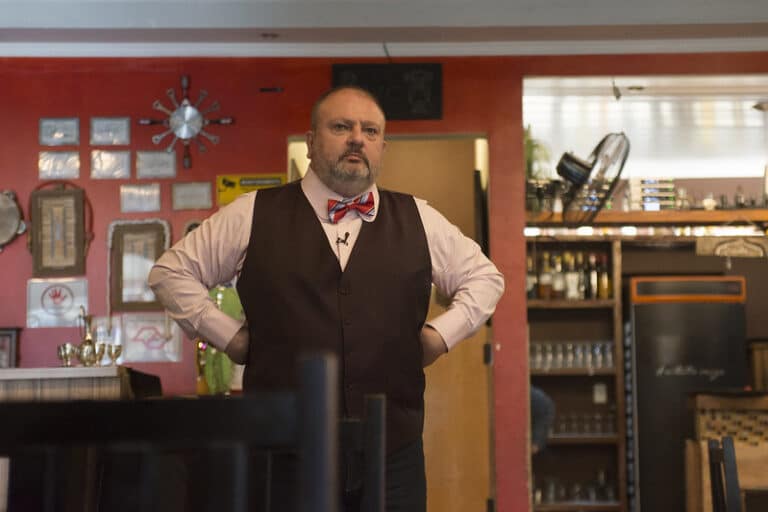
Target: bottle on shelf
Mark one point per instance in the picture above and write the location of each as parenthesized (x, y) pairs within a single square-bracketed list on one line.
[(531, 278), (592, 276), (572, 291), (603, 277), (558, 277), (545, 277), (583, 278)]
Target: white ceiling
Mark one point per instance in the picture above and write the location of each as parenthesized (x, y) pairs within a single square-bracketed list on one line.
[(360, 27)]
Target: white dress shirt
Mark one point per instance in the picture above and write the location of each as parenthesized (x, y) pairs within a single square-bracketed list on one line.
[(214, 253)]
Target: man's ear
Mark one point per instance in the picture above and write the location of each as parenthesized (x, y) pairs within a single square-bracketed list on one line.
[(310, 139)]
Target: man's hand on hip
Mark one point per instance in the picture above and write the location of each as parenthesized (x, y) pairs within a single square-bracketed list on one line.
[(237, 348), (432, 345)]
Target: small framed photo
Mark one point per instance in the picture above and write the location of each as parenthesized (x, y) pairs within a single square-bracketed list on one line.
[(192, 196), (56, 165), (134, 246), (57, 232), (59, 131), (8, 347), (155, 164), (110, 131), (110, 165), (140, 198)]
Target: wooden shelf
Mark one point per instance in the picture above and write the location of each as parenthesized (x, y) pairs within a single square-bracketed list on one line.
[(572, 372), (586, 439), (667, 217), (578, 506), (570, 304)]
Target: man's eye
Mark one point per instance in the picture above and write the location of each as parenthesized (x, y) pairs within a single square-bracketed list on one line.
[(339, 127)]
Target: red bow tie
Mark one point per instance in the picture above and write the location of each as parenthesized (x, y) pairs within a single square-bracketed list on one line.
[(363, 204)]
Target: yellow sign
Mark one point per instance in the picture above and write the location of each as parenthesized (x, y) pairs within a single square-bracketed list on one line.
[(229, 186)]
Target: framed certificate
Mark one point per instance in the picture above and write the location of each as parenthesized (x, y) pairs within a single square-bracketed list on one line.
[(57, 232), (110, 131), (191, 196), (55, 165), (59, 131), (110, 165), (155, 164), (140, 198), (134, 247)]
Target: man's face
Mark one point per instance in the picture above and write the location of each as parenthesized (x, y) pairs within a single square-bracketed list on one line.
[(347, 145)]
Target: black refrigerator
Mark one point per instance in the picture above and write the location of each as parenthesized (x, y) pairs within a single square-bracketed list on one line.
[(685, 334)]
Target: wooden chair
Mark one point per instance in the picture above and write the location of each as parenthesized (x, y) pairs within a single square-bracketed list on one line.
[(223, 429), (726, 494)]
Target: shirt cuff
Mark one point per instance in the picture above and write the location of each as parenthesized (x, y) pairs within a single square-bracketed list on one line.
[(452, 326), (218, 328)]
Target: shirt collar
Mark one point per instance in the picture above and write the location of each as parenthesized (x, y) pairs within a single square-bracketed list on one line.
[(318, 194)]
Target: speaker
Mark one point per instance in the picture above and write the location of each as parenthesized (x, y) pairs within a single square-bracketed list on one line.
[(406, 91)]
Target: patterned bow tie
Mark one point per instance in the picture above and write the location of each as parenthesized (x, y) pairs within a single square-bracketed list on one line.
[(363, 204)]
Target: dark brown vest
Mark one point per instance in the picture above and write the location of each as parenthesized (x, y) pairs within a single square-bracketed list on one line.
[(296, 298)]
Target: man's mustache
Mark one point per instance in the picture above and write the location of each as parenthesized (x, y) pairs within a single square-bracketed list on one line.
[(357, 153)]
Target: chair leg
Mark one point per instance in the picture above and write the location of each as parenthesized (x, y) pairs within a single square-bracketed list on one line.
[(716, 476), (732, 489)]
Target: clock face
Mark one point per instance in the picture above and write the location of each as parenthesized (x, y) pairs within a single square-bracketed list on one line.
[(186, 121)]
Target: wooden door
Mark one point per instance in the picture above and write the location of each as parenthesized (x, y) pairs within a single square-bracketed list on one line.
[(457, 440)]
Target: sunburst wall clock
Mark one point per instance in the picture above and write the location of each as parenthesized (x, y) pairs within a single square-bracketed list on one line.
[(186, 121)]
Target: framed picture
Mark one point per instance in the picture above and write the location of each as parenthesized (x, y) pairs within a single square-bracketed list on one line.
[(56, 302), (55, 165), (133, 248), (8, 347), (191, 196), (110, 131), (110, 165), (59, 131), (155, 164), (140, 198), (57, 232)]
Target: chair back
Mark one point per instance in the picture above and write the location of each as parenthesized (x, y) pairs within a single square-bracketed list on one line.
[(724, 478), (141, 431)]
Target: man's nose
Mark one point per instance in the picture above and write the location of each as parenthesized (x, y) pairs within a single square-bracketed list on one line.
[(355, 135)]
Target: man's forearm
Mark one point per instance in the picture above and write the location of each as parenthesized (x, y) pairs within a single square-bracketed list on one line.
[(432, 344)]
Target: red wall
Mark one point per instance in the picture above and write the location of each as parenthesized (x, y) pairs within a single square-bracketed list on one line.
[(481, 95)]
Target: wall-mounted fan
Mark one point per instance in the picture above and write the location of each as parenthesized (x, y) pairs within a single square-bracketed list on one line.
[(591, 182)]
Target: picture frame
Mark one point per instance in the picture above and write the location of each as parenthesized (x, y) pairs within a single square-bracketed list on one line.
[(9, 339), (110, 131), (134, 246), (140, 198), (194, 195), (57, 234), (155, 164), (57, 165), (110, 165), (59, 131)]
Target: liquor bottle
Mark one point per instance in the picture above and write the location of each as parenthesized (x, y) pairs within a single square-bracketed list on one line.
[(593, 276), (558, 277), (545, 277), (531, 279), (581, 270), (571, 277), (603, 277)]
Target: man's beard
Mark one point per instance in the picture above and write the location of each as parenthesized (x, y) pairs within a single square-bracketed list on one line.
[(343, 172)]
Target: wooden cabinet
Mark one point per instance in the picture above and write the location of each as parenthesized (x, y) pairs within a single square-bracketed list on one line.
[(576, 357)]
